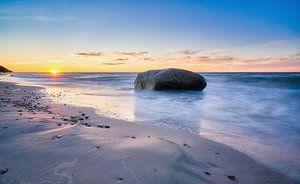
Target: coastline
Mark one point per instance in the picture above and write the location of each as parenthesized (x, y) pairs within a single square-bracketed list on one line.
[(37, 148)]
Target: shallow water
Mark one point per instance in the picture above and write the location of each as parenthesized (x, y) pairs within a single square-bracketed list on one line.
[(256, 113)]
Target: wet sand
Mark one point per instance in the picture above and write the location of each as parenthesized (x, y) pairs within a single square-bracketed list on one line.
[(45, 142)]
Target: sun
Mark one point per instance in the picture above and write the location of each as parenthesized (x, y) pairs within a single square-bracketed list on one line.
[(54, 71)]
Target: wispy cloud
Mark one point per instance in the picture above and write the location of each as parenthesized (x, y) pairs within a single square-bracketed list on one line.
[(188, 57), (134, 54), (112, 63), (37, 18), (89, 54), (122, 59), (185, 52), (113, 54), (238, 61)]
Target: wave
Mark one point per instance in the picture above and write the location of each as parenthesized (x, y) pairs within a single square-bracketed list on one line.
[(277, 80)]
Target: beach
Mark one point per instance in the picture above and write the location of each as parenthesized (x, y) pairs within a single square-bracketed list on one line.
[(43, 141)]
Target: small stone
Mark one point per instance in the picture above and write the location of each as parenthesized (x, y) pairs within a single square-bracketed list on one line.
[(231, 177), (83, 114), (86, 117), (217, 153), (133, 137), (19, 110), (120, 178), (207, 173), (100, 126), (186, 145), (5, 127), (106, 126), (148, 136), (57, 136), (98, 147), (3, 171)]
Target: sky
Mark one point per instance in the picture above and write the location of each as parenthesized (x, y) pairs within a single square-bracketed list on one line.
[(139, 35)]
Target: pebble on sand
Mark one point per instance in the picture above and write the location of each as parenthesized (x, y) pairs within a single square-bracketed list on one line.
[(57, 136), (231, 177), (120, 178), (103, 126), (3, 171), (186, 145), (207, 173)]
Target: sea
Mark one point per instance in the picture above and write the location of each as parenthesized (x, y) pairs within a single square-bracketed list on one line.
[(255, 113)]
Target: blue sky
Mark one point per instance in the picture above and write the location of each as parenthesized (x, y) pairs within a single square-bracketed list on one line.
[(55, 30)]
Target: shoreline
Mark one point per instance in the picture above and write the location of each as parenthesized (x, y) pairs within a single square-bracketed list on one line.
[(70, 144)]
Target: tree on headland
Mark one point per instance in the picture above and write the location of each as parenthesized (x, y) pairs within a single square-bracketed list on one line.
[(3, 69)]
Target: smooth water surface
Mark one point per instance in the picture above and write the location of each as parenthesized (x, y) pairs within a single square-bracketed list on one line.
[(256, 113)]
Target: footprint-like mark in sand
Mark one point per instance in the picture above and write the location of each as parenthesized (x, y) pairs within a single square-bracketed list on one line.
[(63, 176), (127, 168), (67, 176)]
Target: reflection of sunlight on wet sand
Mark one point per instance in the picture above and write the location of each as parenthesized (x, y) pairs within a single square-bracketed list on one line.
[(114, 105)]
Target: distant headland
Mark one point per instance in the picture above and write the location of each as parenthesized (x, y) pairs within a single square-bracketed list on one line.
[(3, 69)]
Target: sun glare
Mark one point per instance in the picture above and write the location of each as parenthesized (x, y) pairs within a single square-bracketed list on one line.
[(54, 71)]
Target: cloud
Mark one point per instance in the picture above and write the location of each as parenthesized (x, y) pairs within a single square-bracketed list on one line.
[(113, 54), (89, 54), (149, 59), (248, 63), (195, 58), (38, 18), (122, 59), (185, 52), (189, 52), (112, 63), (134, 54)]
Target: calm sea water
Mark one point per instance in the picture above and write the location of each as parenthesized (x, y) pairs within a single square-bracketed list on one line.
[(256, 113)]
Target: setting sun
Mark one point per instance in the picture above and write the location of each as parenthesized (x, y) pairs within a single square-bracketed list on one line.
[(54, 71)]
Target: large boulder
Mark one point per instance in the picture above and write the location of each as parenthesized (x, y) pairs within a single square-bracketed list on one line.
[(169, 79)]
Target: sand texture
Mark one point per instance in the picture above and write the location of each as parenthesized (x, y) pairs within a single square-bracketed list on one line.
[(45, 142)]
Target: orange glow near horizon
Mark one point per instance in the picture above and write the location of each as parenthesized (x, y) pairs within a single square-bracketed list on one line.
[(54, 71), (121, 62)]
